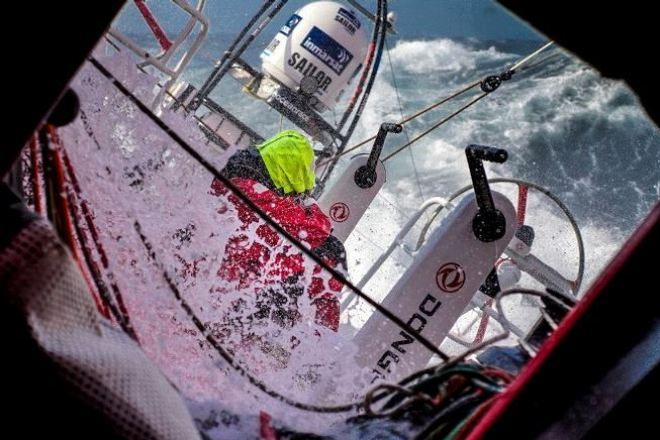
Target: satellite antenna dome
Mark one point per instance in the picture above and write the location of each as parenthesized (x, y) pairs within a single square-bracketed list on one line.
[(323, 40)]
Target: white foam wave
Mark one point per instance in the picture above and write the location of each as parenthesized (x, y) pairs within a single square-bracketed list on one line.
[(538, 118), (441, 55)]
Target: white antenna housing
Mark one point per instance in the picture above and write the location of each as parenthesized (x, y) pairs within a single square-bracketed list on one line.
[(323, 40)]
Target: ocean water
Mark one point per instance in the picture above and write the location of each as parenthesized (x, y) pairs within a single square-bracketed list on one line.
[(567, 129), (583, 136)]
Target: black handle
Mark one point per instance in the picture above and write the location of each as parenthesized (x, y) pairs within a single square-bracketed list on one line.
[(489, 223), (391, 127), (365, 176)]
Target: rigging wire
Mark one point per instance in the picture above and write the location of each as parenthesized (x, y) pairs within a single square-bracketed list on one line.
[(280, 230), (405, 131), (211, 169), (407, 119), (277, 227), (435, 126), (362, 91), (486, 87), (525, 60), (540, 62)]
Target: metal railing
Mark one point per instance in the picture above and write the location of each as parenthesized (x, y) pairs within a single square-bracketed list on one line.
[(163, 60)]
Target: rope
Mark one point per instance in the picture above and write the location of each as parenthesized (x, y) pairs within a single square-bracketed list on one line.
[(415, 390), (555, 297), (483, 324)]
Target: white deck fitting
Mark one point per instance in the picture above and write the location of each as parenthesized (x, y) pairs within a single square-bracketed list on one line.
[(433, 293), (345, 203)]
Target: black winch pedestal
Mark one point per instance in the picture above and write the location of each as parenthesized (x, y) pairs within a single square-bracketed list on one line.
[(489, 223)]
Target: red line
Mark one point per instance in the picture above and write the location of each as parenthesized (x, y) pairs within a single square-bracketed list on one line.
[(520, 217), (85, 208), (157, 30), (93, 230), (363, 76), (74, 242), (37, 183), (522, 204), (483, 325), (566, 326)]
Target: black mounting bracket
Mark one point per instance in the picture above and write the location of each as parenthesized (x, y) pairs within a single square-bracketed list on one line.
[(489, 223), (365, 176)]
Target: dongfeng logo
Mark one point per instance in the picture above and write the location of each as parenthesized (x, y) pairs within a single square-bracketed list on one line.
[(450, 277), (339, 212), (326, 49)]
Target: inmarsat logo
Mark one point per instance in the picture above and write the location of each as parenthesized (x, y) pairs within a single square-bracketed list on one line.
[(339, 212), (326, 49), (450, 277), (343, 56)]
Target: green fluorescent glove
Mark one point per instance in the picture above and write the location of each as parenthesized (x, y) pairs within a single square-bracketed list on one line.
[(289, 159)]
